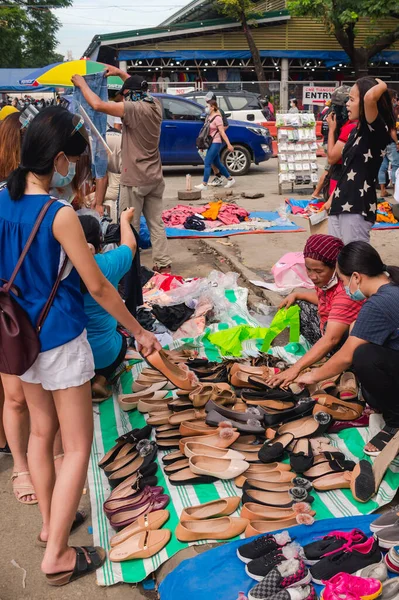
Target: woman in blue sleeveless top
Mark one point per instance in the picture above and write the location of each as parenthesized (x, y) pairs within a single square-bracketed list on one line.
[(57, 386)]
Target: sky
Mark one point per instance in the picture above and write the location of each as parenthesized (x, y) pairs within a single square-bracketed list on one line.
[(86, 18)]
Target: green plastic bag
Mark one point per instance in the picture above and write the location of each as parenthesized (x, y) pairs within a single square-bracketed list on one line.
[(285, 317), (229, 341)]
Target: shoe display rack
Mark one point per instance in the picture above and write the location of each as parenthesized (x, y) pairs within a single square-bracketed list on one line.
[(297, 146)]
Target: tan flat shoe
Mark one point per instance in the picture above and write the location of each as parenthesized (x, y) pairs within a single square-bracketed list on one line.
[(339, 409), (273, 477), (333, 481), (257, 512), (195, 449), (178, 465), (257, 527), (142, 545), (269, 486), (222, 468), (241, 380), (126, 400), (222, 438), (153, 405), (181, 378), (196, 428), (160, 418), (261, 469), (187, 415), (201, 394), (208, 510), (273, 406), (143, 382), (223, 528)]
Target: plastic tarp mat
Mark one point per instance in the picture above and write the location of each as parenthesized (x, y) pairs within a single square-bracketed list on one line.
[(219, 574), (10, 81), (330, 57)]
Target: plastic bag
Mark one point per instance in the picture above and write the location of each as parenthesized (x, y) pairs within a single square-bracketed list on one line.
[(290, 272), (285, 317)]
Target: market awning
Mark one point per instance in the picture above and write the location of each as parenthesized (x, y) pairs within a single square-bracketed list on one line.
[(10, 81), (330, 57)]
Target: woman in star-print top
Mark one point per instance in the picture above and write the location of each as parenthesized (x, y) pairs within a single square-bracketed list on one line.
[(353, 204)]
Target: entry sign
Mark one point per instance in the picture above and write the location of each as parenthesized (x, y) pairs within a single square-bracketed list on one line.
[(316, 94)]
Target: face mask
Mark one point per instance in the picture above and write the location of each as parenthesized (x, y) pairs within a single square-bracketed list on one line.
[(61, 181), (208, 110), (333, 281), (358, 295)]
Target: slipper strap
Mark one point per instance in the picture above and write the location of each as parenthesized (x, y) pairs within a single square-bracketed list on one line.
[(82, 565), (383, 437)]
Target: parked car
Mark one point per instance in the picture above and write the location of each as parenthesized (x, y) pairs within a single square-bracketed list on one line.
[(243, 106), (182, 121)]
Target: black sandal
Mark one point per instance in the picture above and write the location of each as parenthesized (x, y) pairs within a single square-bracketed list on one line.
[(80, 518), (97, 556), (381, 439)]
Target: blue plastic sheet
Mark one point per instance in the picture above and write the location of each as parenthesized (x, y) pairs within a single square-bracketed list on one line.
[(219, 574)]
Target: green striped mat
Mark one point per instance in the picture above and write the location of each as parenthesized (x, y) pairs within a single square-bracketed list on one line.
[(110, 422)]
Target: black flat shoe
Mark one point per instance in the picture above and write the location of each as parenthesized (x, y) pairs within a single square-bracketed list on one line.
[(302, 409), (125, 444), (273, 450), (267, 393), (147, 455), (302, 458)]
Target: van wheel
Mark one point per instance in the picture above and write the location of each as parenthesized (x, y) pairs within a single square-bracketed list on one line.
[(237, 162)]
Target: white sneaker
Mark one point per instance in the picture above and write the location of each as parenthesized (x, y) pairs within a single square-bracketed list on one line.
[(216, 182), (230, 183), (201, 187)]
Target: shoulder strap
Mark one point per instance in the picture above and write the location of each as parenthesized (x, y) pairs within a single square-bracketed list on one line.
[(28, 244), (50, 300)]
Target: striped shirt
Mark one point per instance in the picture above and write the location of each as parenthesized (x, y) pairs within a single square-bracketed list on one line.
[(378, 320), (335, 305)]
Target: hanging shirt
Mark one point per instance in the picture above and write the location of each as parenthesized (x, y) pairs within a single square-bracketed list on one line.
[(362, 156)]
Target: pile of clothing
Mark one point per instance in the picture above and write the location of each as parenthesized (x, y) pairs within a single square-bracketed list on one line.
[(384, 213), (210, 216)]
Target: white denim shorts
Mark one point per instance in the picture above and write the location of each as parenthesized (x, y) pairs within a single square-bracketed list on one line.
[(69, 365)]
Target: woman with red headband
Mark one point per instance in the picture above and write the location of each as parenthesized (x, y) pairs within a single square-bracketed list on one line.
[(326, 312)]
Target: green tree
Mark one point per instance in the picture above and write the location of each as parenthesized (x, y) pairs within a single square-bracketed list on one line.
[(28, 32), (245, 12), (340, 18)]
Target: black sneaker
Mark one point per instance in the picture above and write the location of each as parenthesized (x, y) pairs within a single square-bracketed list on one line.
[(258, 569), (330, 543), (261, 546), (348, 560)]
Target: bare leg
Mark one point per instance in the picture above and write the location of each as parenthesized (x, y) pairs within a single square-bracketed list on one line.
[(3, 440), (319, 186), (44, 426), (74, 410), (16, 425), (58, 453), (383, 191)]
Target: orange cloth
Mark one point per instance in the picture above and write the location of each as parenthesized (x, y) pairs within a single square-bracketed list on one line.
[(212, 212), (385, 214)]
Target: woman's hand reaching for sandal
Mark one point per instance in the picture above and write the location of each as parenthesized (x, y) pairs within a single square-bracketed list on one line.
[(284, 379), (147, 342)]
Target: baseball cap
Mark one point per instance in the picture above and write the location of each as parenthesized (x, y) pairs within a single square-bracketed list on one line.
[(134, 82), (340, 95), (6, 111)]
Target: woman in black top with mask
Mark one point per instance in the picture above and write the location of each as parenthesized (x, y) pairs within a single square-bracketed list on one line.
[(372, 348)]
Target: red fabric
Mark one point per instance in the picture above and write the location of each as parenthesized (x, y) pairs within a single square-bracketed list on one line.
[(335, 305), (344, 134), (324, 248)]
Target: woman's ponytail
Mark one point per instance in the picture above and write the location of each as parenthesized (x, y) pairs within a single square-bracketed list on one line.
[(16, 182), (393, 273)]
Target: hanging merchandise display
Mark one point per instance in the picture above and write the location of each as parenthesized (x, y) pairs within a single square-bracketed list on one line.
[(297, 146)]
